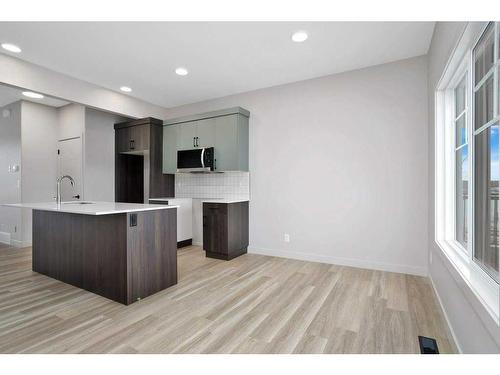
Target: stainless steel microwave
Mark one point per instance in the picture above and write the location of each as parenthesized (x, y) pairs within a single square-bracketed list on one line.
[(196, 160)]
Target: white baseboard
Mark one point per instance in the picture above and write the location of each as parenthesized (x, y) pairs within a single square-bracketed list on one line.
[(351, 262), (446, 317), (5, 237)]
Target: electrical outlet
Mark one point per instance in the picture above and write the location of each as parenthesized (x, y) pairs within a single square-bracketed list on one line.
[(286, 237)]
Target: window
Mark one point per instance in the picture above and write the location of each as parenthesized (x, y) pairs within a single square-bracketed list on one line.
[(461, 163), (486, 160), (467, 165)]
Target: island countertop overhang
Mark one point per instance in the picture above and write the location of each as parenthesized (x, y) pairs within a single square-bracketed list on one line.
[(91, 208)]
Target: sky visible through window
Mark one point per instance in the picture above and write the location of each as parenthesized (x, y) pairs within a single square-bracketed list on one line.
[(494, 153), (494, 147)]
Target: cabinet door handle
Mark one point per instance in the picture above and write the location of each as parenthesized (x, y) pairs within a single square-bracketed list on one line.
[(132, 144), (194, 141), (197, 145)]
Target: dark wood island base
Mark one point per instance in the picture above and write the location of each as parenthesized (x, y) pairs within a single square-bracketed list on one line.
[(123, 257)]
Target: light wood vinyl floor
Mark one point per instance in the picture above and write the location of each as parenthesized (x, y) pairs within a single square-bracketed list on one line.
[(252, 304)]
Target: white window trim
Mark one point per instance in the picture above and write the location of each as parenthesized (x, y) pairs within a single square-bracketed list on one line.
[(485, 288), (452, 121)]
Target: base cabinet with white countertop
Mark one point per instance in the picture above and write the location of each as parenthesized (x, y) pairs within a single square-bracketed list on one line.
[(223, 223), (225, 229)]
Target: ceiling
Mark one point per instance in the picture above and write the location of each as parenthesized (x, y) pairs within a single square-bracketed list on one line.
[(223, 58), (11, 94)]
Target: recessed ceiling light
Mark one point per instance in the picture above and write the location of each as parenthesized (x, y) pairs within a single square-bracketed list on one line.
[(32, 95), (181, 71), (299, 36), (125, 89), (11, 47)]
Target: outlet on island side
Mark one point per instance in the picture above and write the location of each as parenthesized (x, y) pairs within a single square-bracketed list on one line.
[(286, 237)]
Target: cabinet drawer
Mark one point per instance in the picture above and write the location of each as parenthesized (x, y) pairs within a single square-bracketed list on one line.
[(165, 203), (219, 208)]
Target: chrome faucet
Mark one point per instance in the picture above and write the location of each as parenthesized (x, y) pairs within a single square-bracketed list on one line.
[(59, 180)]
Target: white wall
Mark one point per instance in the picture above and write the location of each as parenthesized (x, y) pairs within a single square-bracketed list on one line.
[(339, 163), (99, 165), (39, 131), (19, 73), (10, 187), (473, 329)]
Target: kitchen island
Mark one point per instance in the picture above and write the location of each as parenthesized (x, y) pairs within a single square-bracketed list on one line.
[(122, 251)]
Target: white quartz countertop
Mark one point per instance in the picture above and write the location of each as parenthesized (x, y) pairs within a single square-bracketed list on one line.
[(92, 208), (222, 200), (210, 200)]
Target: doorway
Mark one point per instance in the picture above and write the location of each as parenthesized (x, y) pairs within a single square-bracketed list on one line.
[(70, 162)]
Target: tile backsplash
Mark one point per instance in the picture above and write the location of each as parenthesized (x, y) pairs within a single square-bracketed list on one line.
[(227, 185)]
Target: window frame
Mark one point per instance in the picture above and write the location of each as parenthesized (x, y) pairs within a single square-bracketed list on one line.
[(462, 73), (484, 127), (485, 288)]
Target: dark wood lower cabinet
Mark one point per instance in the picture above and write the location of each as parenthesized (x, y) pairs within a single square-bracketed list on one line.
[(225, 229), (124, 257)]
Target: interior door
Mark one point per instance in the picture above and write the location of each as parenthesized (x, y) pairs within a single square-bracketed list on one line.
[(70, 163)]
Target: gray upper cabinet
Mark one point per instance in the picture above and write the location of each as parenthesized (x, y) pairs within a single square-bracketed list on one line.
[(170, 134), (205, 132), (186, 136), (225, 130)]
